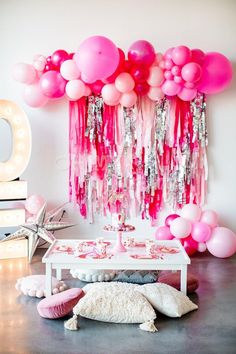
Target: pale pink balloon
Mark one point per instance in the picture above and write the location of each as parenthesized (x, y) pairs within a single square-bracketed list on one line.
[(39, 63), (191, 72), (181, 55), (187, 94), (222, 243), (34, 203), (202, 247), (209, 217), (158, 58), (191, 212), (170, 88), (52, 84), (75, 89), (33, 96), (163, 233), (201, 232), (24, 73), (110, 94), (98, 57), (87, 90), (155, 93), (128, 99), (124, 83), (69, 70), (155, 77), (180, 227)]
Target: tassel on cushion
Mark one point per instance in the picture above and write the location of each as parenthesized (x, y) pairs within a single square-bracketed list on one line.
[(72, 323), (148, 326)]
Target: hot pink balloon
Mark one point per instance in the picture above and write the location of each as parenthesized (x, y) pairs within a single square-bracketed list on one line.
[(128, 99), (222, 243), (178, 80), (155, 93), (180, 227), (168, 64), (168, 53), (163, 233), (52, 84), (58, 57), (97, 58), (97, 86), (176, 70), (181, 55), (75, 89), (201, 232), (170, 218), (33, 96), (139, 73), (142, 52), (24, 73), (197, 56), (190, 245), (69, 70), (187, 94), (141, 88), (168, 75), (155, 77), (124, 83), (110, 94), (209, 217), (191, 72), (170, 88), (217, 73)]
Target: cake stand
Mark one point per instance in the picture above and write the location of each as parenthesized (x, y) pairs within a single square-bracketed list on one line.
[(119, 247)]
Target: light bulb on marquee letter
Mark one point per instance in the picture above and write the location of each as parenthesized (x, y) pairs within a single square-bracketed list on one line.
[(21, 137)]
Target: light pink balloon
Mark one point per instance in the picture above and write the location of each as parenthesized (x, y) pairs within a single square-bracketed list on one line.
[(24, 73), (168, 53), (209, 217), (39, 62), (86, 79), (75, 89), (110, 94), (170, 88), (33, 96), (190, 85), (155, 93), (87, 91), (69, 70), (34, 203), (52, 84), (163, 233), (97, 58), (181, 55), (201, 247), (158, 58), (191, 72), (124, 83), (128, 99), (222, 243), (155, 77), (201, 232), (191, 212), (187, 94), (180, 227)]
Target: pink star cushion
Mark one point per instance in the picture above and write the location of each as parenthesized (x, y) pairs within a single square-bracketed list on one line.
[(173, 279), (59, 305)]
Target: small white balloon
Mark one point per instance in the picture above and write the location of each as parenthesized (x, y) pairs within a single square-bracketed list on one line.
[(201, 247)]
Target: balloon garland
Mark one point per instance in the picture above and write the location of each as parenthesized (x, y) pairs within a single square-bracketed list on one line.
[(137, 124)]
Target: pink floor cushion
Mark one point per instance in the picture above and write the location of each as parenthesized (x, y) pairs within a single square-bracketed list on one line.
[(173, 279), (59, 305)]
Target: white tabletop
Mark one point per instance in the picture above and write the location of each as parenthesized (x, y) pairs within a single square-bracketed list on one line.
[(118, 260)]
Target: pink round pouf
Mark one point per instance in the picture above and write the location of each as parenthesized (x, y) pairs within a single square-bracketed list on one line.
[(59, 305), (173, 279)]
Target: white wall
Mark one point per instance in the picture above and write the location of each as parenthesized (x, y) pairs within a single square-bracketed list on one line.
[(28, 27)]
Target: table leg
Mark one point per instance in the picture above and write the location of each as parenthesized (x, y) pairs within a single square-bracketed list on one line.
[(48, 279), (183, 279), (58, 273)]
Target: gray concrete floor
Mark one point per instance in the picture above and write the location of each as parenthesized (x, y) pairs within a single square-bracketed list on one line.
[(210, 330)]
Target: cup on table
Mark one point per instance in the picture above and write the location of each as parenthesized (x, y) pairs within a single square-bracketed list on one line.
[(101, 248), (150, 247), (130, 242)]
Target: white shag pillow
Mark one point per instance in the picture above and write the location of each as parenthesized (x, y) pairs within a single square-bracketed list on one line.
[(114, 302), (93, 275), (166, 299), (34, 285)]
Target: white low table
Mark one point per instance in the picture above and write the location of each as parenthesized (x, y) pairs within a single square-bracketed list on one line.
[(119, 261)]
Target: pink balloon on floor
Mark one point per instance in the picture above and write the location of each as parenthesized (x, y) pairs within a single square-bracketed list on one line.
[(201, 232), (201, 247), (209, 217), (191, 212), (190, 245), (163, 233), (170, 218), (180, 227), (222, 243)]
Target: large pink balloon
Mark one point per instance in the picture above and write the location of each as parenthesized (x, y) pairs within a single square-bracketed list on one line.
[(180, 227), (181, 55), (52, 84), (201, 232), (170, 88), (33, 96), (217, 73), (222, 243), (142, 52), (24, 73), (187, 94), (209, 217), (163, 233), (97, 58)]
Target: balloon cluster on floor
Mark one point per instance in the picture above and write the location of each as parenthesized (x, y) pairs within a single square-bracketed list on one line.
[(198, 230), (100, 68)]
